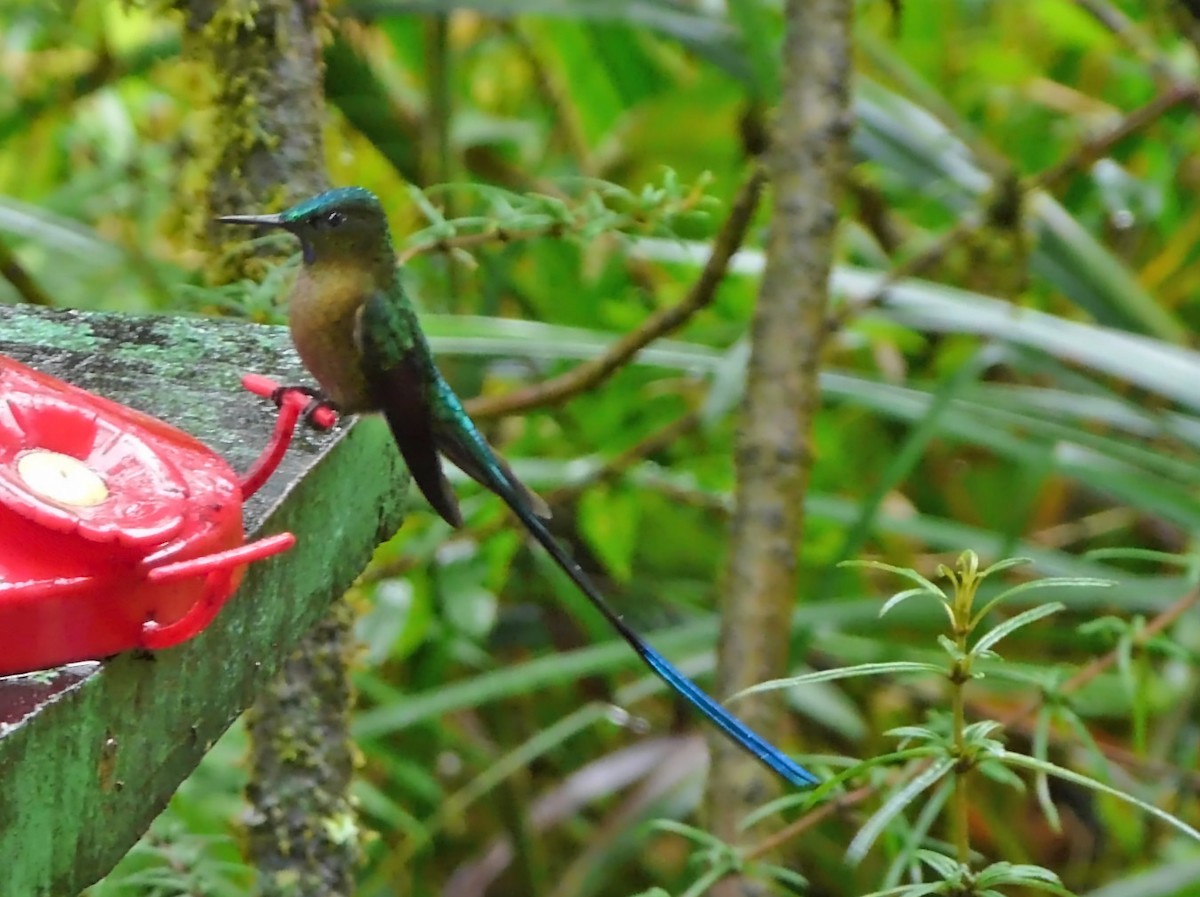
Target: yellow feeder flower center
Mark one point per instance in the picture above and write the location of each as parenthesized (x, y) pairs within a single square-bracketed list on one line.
[(61, 479)]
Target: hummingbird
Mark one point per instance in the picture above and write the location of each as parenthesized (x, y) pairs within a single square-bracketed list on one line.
[(357, 333)]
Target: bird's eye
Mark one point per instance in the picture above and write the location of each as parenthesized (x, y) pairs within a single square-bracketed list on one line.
[(335, 219)]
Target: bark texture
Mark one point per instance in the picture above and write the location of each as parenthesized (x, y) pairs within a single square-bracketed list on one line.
[(806, 163), (261, 64)]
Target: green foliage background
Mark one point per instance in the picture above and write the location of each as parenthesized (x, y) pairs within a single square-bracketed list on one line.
[(1034, 391)]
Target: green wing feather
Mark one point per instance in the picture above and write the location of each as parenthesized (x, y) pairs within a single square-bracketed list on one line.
[(402, 387), (425, 415)]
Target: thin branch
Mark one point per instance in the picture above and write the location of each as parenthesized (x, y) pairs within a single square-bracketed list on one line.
[(809, 820), (592, 373), (1091, 150), (14, 272), (913, 266), (1157, 770), (1124, 28), (970, 223), (574, 224), (655, 441), (480, 238), (1162, 67), (565, 112)]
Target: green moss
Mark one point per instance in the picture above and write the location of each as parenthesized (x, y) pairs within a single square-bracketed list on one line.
[(261, 65)]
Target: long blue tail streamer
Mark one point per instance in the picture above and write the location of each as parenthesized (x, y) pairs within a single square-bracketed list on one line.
[(735, 729)]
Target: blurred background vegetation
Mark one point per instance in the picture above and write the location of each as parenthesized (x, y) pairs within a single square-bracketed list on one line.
[(1012, 371)]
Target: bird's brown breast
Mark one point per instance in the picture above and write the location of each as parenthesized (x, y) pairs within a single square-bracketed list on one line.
[(323, 318)]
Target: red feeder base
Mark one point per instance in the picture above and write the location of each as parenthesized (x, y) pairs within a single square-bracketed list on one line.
[(117, 531)]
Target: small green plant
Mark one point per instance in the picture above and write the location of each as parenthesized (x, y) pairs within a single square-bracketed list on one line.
[(930, 773)]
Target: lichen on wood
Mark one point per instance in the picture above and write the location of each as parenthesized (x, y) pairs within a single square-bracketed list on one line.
[(260, 62)]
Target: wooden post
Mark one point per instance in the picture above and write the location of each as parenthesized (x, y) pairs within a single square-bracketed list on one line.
[(91, 753)]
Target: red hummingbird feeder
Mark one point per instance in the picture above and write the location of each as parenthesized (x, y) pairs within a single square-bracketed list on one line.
[(117, 530)]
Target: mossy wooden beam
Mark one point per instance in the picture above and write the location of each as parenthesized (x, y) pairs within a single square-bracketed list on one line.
[(91, 753)]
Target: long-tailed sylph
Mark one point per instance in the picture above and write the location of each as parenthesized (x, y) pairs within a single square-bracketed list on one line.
[(357, 333)]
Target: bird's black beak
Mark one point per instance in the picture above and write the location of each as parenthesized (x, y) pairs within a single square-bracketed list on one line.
[(259, 220)]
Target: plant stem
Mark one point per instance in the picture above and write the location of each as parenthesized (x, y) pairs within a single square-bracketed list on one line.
[(962, 837), (966, 583), (14, 272)]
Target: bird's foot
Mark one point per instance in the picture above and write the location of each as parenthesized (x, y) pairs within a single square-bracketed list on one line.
[(320, 413)]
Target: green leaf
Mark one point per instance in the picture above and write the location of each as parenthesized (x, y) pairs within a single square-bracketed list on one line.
[(397, 622), (1041, 782), (1012, 624), (1049, 582), (865, 669), (472, 335), (1173, 879), (901, 597), (897, 802), (906, 572), (1068, 775), (904, 461), (610, 520), (919, 831), (947, 867), (673, 19), (59, 234), (1093, 277), (758, 30)]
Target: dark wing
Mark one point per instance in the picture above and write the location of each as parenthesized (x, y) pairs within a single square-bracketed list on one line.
[(460, 455), (401, 387)]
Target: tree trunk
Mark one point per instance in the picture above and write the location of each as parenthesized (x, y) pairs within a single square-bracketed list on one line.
[(806, 163)]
